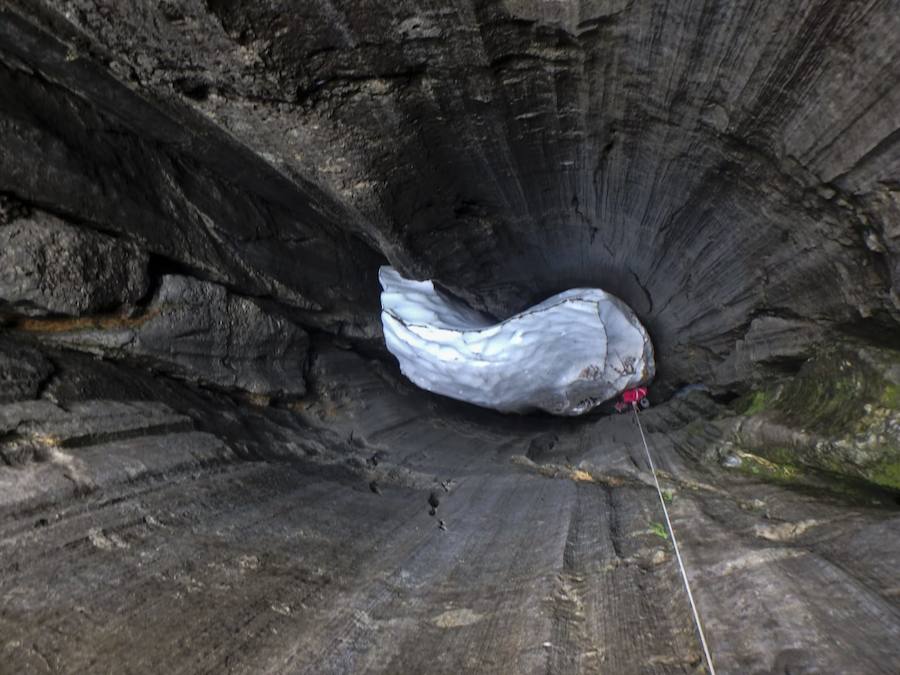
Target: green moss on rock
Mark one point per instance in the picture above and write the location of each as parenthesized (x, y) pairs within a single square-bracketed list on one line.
[(766, 467), (756, 402), (886, 473), (846, 404), (890, 397), (821, 483)]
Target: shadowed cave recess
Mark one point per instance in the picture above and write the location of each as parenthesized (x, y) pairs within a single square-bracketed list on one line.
[(209, 462)]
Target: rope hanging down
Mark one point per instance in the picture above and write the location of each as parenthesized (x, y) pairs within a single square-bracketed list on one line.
[(687, 586)]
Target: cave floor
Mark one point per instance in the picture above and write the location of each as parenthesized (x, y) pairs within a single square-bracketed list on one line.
[(301, 541)]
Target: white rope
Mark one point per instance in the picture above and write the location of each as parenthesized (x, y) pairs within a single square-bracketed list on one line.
[(687, 586)]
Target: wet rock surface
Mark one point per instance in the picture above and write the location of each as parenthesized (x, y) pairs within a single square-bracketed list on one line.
[(228, 473)]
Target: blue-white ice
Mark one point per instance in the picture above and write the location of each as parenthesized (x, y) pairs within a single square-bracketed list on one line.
[(564, 355)]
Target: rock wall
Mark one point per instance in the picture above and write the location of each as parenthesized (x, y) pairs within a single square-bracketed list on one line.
[(208, 461), (50, 267), (707, 166)]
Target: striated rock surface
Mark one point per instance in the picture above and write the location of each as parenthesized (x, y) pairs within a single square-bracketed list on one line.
[(564, 356), (730, 170), (200, 331), (839, 414), (707, 166), (50, 267), (166, 531)]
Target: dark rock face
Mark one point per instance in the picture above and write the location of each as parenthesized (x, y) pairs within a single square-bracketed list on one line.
[(23, 371), (210, 461), (509, 151), (197, 330), (49, 267)]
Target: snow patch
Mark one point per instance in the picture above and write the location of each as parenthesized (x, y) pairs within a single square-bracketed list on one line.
[(565, 355)]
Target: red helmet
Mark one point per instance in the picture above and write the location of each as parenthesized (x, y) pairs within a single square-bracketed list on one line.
[(634, 395)]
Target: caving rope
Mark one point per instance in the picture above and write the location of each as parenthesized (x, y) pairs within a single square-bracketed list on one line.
[(687, 586)]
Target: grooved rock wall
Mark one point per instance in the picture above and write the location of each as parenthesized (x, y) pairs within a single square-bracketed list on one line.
[(708, 164), (198, 331), (208, 461)]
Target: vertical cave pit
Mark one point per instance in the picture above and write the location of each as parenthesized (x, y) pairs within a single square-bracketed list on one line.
[(209, 458)]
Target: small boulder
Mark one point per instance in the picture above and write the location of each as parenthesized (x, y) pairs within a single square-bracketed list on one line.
[(48, 266)]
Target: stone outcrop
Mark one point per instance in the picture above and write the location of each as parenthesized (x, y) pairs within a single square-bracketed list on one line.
[(48, 266), (199, 331), (840, 414)]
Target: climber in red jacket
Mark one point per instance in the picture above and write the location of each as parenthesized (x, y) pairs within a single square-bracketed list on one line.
[(631, 397)]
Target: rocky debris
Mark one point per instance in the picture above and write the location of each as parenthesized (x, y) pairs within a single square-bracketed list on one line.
[(48, 266), (784, 531), (199, 331)]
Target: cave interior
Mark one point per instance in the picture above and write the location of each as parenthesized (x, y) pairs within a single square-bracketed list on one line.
[(209, 461)]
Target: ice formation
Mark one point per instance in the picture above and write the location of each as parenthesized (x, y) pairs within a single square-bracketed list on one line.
[(564, 356)]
